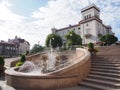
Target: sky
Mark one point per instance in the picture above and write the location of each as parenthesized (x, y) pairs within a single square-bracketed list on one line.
[(32, 20)]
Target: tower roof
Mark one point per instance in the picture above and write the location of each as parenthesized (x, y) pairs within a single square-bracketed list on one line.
[(89, 7)]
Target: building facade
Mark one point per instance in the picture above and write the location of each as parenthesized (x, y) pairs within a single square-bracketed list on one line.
[(14, 47), (8, 49), (22, 44), (90, 28)]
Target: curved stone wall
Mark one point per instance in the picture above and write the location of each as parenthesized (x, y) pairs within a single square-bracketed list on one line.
[(68, 76)]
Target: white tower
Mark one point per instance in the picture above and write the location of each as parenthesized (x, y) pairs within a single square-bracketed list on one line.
[(89, 22)]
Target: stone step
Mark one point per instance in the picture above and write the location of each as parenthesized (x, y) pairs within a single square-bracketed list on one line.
[(106, 60), (96, 86), (103, 82), (106, 70), (106, 67), (111, 65), (105, 74), (102, 77), (102, 62)]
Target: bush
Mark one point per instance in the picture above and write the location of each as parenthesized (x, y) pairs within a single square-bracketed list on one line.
[(2, 62), (27, 52), (23, 58), (96, 50), (19, 64), (91, 45)]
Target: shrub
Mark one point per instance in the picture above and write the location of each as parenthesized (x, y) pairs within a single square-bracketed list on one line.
[(19, 63), (23, 58), (27, 52), (91, 45), (2, 62), (96, 50)]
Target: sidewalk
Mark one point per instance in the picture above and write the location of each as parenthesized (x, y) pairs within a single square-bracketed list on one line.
[(3, 85)]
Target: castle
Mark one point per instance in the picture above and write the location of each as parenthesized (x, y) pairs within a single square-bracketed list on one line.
[(90, 28)]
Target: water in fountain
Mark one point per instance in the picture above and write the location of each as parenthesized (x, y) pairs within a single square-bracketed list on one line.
[(51, 61), (51, 58), (29, 67)]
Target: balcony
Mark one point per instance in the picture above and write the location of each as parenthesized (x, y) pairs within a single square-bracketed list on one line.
[(88, 35), (99, 35)]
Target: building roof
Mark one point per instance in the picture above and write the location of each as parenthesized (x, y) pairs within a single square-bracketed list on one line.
[(69, 27), (6, 43), (89, 7), (87, 20)]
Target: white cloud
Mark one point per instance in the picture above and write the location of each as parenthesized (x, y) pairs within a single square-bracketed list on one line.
[(110, 14), (12, 24), (56, 13), (7, 15), (59, 13)]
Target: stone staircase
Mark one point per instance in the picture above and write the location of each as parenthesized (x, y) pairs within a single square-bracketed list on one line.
[(105, 70)]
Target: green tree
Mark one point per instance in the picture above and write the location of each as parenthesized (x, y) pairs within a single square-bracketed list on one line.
[(91, 45), (54, 40), (2, 62), (23, 58), (36, 48), (109, 39), (73, 38)]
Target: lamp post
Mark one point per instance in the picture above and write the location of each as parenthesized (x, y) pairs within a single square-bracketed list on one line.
[(38, 42), (106, 41), (71, 40)]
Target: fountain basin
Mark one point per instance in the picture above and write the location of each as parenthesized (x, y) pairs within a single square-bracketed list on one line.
[(68, 76)]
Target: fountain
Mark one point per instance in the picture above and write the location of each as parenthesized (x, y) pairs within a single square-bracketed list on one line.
[(52, 70)]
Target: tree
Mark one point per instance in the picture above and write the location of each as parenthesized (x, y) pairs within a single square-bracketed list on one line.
[(73, 38), (36, 48), (91, 45), (23, 58), (108, 39), (2, 62), (54, 40)]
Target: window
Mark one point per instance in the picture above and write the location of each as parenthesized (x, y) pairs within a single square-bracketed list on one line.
[(89, 15), (85, 17), (87, 24), (88, 31), (78, 28)]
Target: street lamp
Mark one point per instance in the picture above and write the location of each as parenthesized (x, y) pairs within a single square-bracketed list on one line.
[(38, 42), (71, 40), (70, 35)]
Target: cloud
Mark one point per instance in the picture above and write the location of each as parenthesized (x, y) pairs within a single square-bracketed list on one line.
[(56, 13), (12, 24), (61, 13), (110, 14), (7, 15)]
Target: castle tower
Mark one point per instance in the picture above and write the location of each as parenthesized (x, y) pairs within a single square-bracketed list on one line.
[(90, 11), (89, 23)]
